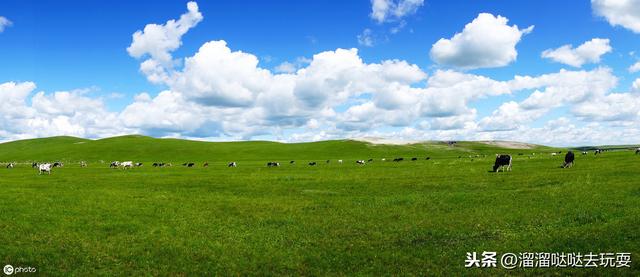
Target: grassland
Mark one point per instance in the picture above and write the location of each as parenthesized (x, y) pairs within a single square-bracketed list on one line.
[(385, 218)]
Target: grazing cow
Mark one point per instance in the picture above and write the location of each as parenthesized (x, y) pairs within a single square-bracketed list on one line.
[(205, 165), (340, 161), (568, 160), (273, 164), (34, 165), (370, 160), (362, 162), (232, 164), (598, 151), (44, 168), (10, 165), (398, 159), (414, 159), (126, 165), (115, 164), (554, 154), (502, 162), (292, 162), (637, 151), (328, 161), (383, 159), (138, 164), (428, 158), (83, 164), (190, 164), (155, 164), (167, 165), (584, 153), (312, 163), (58, 164)]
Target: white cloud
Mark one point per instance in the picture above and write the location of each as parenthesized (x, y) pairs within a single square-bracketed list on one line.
[(636, 85), (634, 67), (625, 13), (286, 67), (366, 38), (588, 52), (4, 23), (488, 41), (390, 10)]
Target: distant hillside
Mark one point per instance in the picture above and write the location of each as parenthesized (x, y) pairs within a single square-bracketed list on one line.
[(141, 148)]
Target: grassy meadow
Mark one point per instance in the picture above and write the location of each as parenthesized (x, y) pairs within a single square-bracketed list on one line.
[(385, 218)]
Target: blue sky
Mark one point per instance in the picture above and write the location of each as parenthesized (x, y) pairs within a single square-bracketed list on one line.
[(80, 48)]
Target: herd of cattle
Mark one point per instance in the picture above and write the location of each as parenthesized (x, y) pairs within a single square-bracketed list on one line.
[(503, 162)]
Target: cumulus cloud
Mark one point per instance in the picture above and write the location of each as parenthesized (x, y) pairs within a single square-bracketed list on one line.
[(4, 23), (634, 67), (588, 52), (488, 41), (389, 10), (625, 13)]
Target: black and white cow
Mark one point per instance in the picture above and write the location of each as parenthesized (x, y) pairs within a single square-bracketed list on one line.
[(312, 163), (584, 153), (138, 164), (232, 164), (205, 165), (34, 165), (83, 164), (362, 162), (502, 162), (568, 160), (10, 165), (638, 151), (44, 168), (598, 151), (273, 164), (58, 164), (115, 164)]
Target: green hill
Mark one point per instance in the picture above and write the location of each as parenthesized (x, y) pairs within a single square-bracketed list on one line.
[(142, 148)]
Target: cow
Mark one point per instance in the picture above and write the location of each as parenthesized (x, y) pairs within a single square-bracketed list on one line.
[(568, 160), (126, 165), (638, 151), (58, 164), (155, 164), (190, 164), (44, 168), (362, 162), (273, 164), (138, 164), (205, 165), (554, 154), (328, 161), (115, 164), (414, 159), (370, 160), (34, 165), (428, 158), (398, 159), (232, 164), (10, 165), (584, 153), (340, 161), (502, 162), (292, 162), (383, 159), (598, 151), (83, 164), (312, 163)]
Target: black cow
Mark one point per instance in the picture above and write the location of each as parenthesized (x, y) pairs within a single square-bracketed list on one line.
[(370, 160), (398, 159), (312, 163), (190, 164), (414, 159), (205, 165), (428, 158), (502, 162), (292, 162), (568, 160), (155, 164)]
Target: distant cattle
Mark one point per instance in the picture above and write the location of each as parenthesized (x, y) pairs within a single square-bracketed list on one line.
[(584, 153), (44, 168), (273, 164), (83, 164), (414, 159), (232, 164), (205, 165), (58, 164), (360, 162), (370, 160), (554, 154), (155, 164), (190, 164), (398, 159), (10, 165), (126, 165), (34, 165), (292, 162), (339, 161), (637, 151), (598, 151), (428, 158), (383, 159), (312, 163), (568, 160), (137, 164), (114, 164), (502, 162), (328, 161)]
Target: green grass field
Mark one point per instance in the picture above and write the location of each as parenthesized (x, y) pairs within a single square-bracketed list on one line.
[(384, 218)]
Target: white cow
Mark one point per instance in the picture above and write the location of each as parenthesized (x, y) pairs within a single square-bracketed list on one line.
[(126, 165), (42, 168), (554, 154), (339, 161)]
